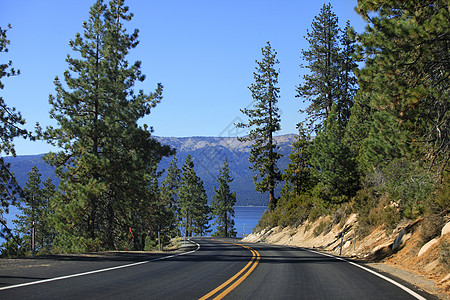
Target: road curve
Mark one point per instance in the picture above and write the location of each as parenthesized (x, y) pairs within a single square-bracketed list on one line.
[(220, 268), (296, 273)]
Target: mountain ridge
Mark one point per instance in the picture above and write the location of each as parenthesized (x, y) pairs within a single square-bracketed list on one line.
[(208, 155)]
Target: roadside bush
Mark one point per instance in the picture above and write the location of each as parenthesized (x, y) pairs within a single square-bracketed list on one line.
[(390, 216), (431, 227), (438, 202), (444, 255), (437, 210), (296, 210), (266, 221), (11, 248), (292, 212), (373, 210), (150, 244), (320, 228)]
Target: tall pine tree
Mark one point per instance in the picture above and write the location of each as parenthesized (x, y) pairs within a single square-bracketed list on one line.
[(192, 201), (169, 192), (264, 122), (34, 222), (297, 176), (405, 48), (11, 126), (331, 63), (332, 162), (107, 161), (223, 203)]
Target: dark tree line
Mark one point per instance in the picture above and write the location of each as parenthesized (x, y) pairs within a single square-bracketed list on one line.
[(376, 132)]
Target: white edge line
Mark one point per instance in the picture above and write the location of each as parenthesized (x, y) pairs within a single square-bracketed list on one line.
[(98, 271), (409, 291)]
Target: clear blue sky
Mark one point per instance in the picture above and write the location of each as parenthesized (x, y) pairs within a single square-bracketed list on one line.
[(203, 52)]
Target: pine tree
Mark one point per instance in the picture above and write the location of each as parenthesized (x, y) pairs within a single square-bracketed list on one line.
[(47, 231), (347, 79), (264, 122), (321, 85), (107, 160), (298, 174), (223, 204), (11, 123), (333, 163), (331, 63), (36, 212), (192, 201), (169, 196), (405, 48), (171, 183)]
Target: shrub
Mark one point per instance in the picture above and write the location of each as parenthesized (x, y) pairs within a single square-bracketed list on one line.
[(150, 244), (444, 255), (12, 248), (437, 208), (320, 228)]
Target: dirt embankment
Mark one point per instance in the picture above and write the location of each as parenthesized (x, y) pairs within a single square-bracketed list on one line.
[(402, 252)]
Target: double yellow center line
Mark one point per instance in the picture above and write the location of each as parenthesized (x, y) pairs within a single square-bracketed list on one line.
[(237, 279)]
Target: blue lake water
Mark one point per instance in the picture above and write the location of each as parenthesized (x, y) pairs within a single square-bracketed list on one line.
[(245, 218)]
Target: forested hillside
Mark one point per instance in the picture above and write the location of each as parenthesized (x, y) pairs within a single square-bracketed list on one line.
[(378, 105)]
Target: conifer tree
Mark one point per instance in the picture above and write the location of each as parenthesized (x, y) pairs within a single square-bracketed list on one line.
[(11, 122), (192, 201), (36, 213), (169, 195), (405, 48), (321, 85), (107, 160), (347, 79), (331, 64), (333, 163), (223, 204), (298, 174), (171, 183), (264, 122)]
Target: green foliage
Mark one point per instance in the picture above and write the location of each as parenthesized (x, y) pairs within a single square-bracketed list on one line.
[(320, 228), (331, 64), (12, 248), (438, 202), (36, 212), (266, 221), (444, 255), (11, 123), (169, 196), (374, 209), (405, 48), (264, 121), (332, 161), (297, 176), (107, 162), (192, 201), (11, 120), (293, 211), (223, 204), (436, 210)]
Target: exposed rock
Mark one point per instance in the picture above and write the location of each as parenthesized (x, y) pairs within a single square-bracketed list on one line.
[(398, 240), (445, 229), (427, 246), (427, 271)]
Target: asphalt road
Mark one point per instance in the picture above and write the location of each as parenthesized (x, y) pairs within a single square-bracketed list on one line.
[(218, 268)]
